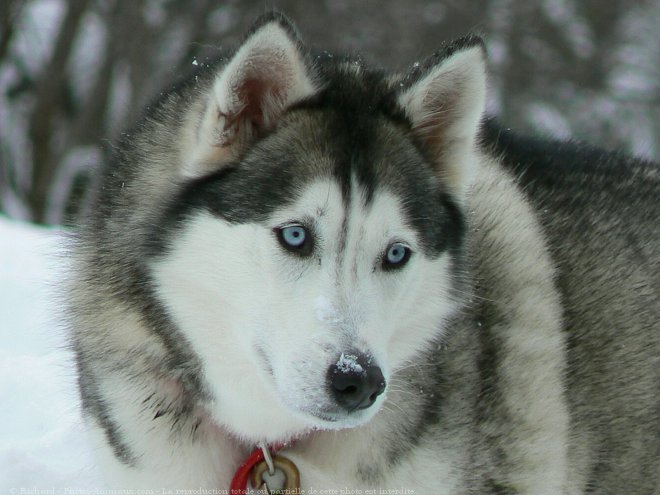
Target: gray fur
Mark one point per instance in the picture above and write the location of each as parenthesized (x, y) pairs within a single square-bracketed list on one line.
[(547, 370)]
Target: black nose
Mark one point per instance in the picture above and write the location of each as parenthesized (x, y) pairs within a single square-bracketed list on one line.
[(355, 383)]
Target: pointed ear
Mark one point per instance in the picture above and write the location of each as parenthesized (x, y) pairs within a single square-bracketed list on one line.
[(445, 103), (266, 75)]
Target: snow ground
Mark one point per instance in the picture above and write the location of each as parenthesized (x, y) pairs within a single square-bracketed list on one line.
[(43, 446)]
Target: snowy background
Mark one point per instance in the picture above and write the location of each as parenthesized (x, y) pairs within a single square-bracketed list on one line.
[(42, 442)]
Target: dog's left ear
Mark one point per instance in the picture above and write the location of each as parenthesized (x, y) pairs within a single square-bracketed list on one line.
[(267, 74), (445, 102)]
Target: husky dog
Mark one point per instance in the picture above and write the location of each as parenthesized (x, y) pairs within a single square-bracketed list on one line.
[(358, 266)]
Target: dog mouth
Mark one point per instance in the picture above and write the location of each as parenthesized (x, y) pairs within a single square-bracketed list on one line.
[(354, 392), (326, 417), (337, 418), (341, 420), (323, 413), (353, 384)]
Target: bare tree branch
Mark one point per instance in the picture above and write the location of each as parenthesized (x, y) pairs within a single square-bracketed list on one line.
[(10, 10), (50, 88)]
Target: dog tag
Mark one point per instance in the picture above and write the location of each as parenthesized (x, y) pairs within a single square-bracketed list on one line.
[(285, 468)]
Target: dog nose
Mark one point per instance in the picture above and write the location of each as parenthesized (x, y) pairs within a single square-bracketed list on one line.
[(355, 383)]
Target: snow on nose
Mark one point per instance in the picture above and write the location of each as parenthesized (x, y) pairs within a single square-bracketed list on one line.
[(355, 382)]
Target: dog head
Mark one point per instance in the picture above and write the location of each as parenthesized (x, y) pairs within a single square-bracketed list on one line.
[(314, 245)]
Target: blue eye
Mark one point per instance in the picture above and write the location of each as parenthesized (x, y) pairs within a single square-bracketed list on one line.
[(396, 256), (296, 239), (294, 236)]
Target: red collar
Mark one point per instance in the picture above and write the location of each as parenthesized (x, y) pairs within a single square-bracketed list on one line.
[(239, 482)]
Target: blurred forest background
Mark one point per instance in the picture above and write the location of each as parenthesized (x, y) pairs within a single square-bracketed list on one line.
[(73, 73)]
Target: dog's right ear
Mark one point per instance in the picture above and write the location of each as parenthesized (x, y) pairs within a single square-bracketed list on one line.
[(267, 74)]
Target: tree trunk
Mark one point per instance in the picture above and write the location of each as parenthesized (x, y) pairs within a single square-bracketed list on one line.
[(50, 90)]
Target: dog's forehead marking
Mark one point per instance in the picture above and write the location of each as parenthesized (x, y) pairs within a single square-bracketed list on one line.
[(351, 211), (376, 152)]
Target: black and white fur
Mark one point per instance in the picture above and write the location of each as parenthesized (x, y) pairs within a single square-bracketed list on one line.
[(519, 342)]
